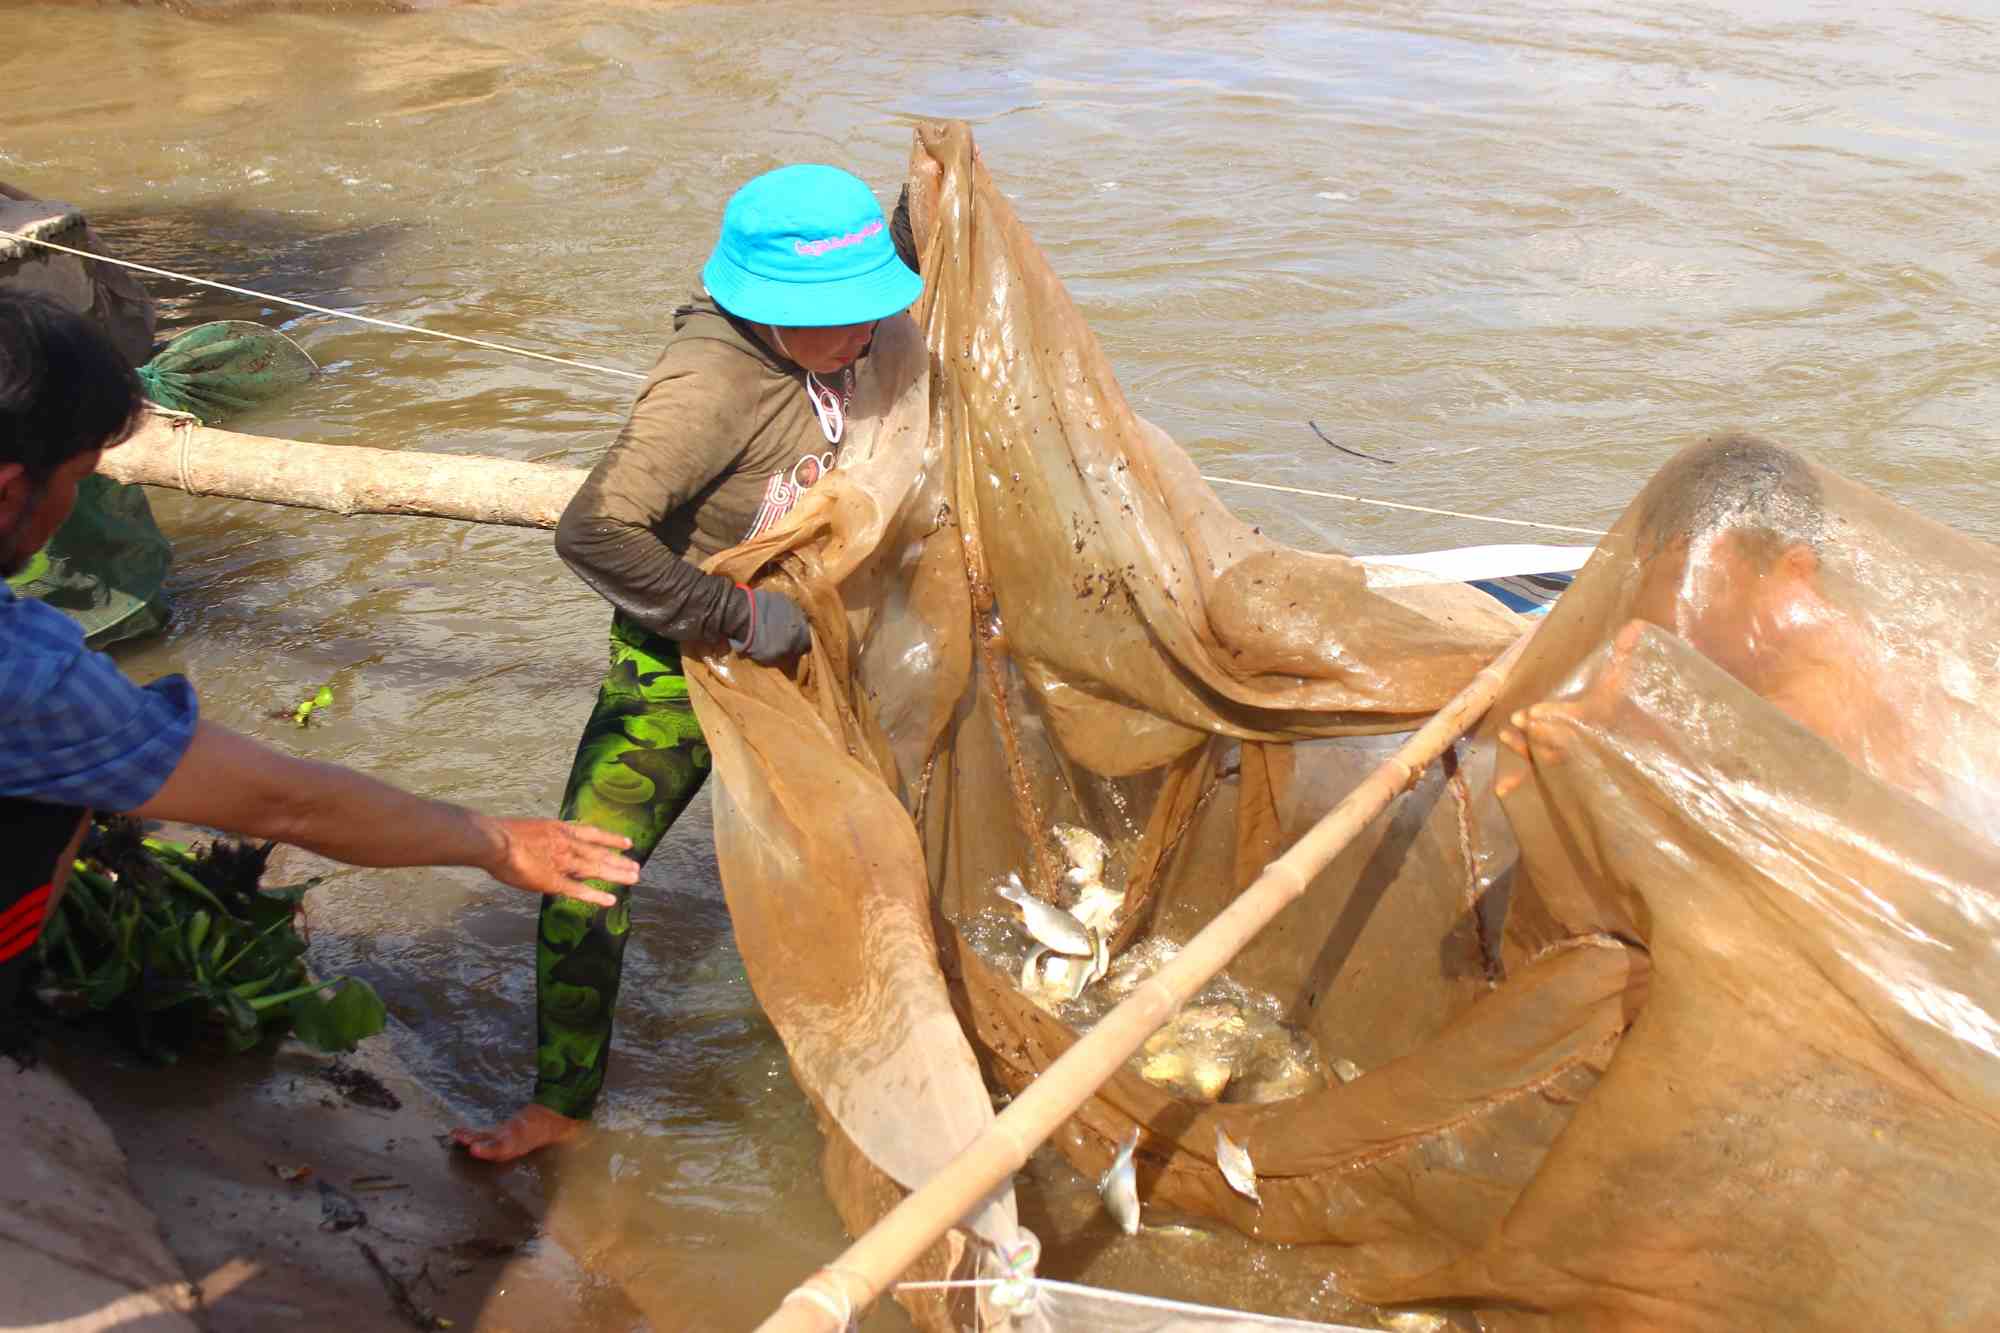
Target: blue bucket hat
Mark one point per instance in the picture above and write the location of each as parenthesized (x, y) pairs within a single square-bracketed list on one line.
[(807, 247)]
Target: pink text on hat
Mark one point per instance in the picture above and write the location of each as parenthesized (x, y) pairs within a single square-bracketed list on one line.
[(827, 243)]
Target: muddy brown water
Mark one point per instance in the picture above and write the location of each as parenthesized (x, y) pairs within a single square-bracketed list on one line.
[(1523, 249)]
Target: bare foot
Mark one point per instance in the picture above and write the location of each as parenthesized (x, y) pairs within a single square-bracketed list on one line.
[(1545, 733), (531, 1129)]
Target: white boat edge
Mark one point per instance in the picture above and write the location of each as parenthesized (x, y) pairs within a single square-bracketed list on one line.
[(1468, 564)]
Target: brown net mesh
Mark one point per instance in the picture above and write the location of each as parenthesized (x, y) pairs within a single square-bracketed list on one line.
[(1760, 758), (1739, 827)]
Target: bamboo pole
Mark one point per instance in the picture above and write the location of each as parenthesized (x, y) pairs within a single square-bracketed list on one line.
[(339, 478), (860, 1275)]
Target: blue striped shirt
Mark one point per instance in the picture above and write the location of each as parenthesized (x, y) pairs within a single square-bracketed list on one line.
[(73, 729)]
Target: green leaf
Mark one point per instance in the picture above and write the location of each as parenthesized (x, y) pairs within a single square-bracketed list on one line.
[(77, 971), (168, 996), (237, 1014), (108, 982), (250, 990), (222, 971), (269, 907), (336, 1024), (55, 932), (174, 851), (161, 950), (38, 565), (306, 708), (196, 931), (183, 880)]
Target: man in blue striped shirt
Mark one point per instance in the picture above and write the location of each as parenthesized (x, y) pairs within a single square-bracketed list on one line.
[(76, 735)]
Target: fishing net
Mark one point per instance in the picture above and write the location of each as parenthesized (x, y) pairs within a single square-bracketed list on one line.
[(1758, 734), (219, 368), (1687, 1030), (106, 567)]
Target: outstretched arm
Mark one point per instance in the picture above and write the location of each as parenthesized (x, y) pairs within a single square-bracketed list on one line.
[(228, 781)]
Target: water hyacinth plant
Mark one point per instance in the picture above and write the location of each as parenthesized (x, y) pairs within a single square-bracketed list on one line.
[(307, 707), (173, 945)]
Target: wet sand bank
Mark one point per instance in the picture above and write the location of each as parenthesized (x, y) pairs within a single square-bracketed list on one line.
[(294, 1188)]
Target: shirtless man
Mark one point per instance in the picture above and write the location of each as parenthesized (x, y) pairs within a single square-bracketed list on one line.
[(1736, 556)]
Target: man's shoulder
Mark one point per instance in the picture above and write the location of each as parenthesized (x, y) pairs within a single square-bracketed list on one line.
[(35, 638), (47, 676), (74, 729)]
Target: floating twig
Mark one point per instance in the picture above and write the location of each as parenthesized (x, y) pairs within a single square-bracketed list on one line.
[(1386, 462)]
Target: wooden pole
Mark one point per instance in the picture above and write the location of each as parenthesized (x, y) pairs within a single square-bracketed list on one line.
[(872, 1263), (340, 478)]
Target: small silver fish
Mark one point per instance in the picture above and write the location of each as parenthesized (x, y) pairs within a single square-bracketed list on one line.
[(1236, 1166), (1031, 969), (1120, 1186), (1411, 1321), (1049, 925), (1048, 977), (1273, 1079), (1096, 905), (1084, 851), (1198, 1077)]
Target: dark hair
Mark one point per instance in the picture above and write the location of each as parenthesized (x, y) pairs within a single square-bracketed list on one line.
[(1763, 491), (64, 388)]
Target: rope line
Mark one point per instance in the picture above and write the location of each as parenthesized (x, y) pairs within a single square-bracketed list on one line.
[(842, 1313), (180, 429), (636, 375), (323, 310), (1111, 1296), (1396, 504)]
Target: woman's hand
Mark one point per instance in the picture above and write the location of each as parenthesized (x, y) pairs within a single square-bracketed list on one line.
[(778, 628)]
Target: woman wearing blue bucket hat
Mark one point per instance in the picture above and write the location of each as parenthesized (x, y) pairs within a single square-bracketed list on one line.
[(746, 408)]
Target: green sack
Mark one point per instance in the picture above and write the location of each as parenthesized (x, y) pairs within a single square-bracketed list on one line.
[(223, 367), (106, 567)]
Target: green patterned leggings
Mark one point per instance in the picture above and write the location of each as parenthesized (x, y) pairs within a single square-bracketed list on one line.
[(640, 762)]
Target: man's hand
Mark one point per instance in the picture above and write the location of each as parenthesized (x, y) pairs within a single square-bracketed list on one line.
[(550, 856)]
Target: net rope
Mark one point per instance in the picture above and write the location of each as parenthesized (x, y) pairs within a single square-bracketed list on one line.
[(512, 350)]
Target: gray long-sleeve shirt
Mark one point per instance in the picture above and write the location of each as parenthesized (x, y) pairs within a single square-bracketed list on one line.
[(718, 445)]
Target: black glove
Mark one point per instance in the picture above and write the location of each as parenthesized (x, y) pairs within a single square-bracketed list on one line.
[(778, 629)]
